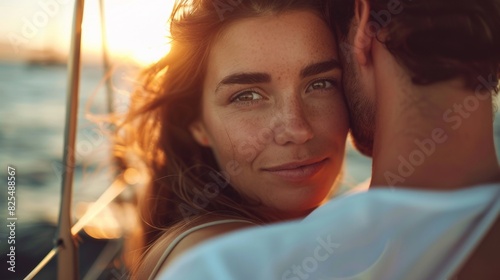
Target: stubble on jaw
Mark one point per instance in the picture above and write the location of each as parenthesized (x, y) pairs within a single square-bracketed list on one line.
[(361, 109)]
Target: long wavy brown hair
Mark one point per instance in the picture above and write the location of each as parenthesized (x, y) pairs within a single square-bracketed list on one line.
[(184, 181)]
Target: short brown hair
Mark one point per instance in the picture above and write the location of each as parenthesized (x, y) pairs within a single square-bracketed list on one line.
[(436, 40)]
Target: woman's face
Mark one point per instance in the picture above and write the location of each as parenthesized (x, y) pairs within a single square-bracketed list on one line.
[(273, 111)]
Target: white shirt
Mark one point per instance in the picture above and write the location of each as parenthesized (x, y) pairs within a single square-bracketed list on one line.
[(380, 234)]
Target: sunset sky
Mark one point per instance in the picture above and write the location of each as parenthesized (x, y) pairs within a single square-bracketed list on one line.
[(135, 29)]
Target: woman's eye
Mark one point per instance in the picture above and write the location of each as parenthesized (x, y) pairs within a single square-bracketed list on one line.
[(246, 96), (320, 85)]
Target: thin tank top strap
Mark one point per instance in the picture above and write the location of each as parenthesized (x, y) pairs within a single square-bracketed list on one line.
[(181, 236)]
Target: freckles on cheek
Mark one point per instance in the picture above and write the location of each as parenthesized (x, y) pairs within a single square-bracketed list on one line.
[(332, 117), (249, 137), (230, 139)]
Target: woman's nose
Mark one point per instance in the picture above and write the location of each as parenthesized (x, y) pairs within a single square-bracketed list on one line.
[(292, 126)]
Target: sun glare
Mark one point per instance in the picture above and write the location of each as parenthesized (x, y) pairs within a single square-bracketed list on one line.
[(136, 30)]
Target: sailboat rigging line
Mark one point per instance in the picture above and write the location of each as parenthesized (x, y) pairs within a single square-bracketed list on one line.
[(107, 69), (43, 263), (116, 188), (105, 58), (104, 200), (67, 262), (105, 257)]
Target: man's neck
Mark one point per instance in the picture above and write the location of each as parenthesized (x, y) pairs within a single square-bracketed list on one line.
[(434, 137)]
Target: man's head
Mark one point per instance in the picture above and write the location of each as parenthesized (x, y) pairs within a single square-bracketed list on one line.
[(434, 40)]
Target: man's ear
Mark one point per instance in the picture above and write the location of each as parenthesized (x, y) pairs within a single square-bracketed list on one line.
[(363, 34), (199, 133)]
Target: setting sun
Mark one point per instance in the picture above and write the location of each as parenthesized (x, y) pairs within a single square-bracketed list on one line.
[(136, 30)]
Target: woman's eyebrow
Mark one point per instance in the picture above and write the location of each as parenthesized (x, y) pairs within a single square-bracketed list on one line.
[(244, 79), (320, 67), (257, 77)]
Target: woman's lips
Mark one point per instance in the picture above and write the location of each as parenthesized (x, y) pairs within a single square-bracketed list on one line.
[(296, 172)]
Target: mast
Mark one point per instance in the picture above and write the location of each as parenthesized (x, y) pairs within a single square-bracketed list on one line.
[(67, 262)]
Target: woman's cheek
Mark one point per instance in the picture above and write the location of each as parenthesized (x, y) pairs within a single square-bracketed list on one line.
[(236, 140), (247, 151)]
